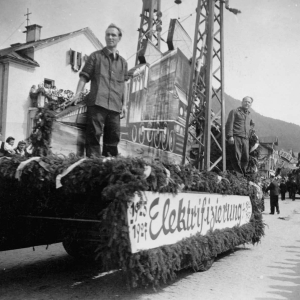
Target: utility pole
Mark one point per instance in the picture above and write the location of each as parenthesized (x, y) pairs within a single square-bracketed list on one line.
[(204, 128), (150, 26)]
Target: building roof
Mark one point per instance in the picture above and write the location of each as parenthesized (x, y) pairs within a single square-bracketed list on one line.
[(269, 140), (15, 51), (20, 57)]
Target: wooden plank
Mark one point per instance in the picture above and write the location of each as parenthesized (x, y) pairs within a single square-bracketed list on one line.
[(61, 219)]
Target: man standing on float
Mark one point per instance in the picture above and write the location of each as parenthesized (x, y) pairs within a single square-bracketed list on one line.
[(107, 71), (237, 133)]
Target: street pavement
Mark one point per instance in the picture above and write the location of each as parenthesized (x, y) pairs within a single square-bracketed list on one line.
[(267, 271)]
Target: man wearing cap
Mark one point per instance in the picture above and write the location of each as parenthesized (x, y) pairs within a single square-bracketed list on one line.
[(237, 129), (107, 71)]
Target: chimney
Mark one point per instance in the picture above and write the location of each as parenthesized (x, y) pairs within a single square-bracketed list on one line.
[(33, 33)]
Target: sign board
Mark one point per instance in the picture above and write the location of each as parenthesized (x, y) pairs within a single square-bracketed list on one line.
[(164, 219), (285, 155)]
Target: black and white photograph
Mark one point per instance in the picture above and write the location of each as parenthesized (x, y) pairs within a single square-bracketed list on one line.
[(149, 150)]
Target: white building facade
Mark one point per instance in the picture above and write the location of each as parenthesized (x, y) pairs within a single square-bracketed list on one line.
[(34, 62)]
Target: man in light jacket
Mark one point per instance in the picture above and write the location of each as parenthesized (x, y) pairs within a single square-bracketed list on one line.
[(237, 129)]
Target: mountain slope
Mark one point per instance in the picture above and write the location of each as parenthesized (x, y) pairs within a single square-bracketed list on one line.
[(288, 133)]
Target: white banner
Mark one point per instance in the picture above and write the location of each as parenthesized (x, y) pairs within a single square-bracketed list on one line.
[(164, 219)]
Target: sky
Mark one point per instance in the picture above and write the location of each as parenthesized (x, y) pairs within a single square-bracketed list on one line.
[(262, 43)]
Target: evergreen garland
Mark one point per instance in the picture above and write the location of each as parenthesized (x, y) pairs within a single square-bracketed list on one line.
[(104, 188), (41, 135)]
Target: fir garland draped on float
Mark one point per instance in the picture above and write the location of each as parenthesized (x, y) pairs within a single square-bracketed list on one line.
[(109, 185)]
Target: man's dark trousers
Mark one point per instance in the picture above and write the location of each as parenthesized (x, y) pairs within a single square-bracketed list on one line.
[(293, 194), (274, 203), (102, 121), (239, 155)]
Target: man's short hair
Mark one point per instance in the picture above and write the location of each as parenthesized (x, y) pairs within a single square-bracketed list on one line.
[(112, 25), (10, 138), (248, 98)]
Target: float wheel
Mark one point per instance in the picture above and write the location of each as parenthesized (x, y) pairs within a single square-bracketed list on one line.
[(79, 249)]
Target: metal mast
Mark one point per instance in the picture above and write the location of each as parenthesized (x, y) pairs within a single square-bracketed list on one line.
[(150, 25), (205, 128)]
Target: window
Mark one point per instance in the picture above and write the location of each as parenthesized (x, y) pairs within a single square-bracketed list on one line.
[(49, 83), (76, 59)]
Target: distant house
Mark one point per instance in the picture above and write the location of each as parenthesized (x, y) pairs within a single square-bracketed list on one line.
[(53, 61), (268, 158)]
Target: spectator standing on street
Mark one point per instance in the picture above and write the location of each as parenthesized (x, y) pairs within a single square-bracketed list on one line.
[(274, 192), (282, 187), (294, 189), (107, 71), (288, 187), (237, 133)]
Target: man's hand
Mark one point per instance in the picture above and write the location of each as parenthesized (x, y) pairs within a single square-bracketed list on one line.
[(123, 112), (231, 140)]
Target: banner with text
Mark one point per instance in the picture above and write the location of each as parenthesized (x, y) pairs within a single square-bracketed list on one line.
[(164, 219)]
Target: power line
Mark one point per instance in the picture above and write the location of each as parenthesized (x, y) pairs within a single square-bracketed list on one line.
[(169, 8), (12, 33), (186, 17)]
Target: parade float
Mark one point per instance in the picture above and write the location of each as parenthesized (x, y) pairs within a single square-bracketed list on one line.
[(155, 209), (149, 220)]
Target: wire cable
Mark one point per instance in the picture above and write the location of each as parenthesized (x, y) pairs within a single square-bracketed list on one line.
[(169, 8), (186, 17), (12, 33)]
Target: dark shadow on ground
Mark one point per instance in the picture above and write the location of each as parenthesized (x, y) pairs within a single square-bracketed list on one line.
[(288, 271), (291, 247), (62, 277)]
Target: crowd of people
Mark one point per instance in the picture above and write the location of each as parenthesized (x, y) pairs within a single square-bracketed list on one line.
[(8, 148)]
